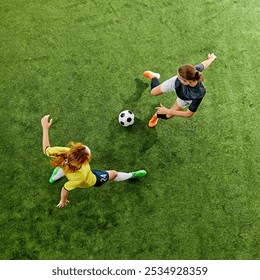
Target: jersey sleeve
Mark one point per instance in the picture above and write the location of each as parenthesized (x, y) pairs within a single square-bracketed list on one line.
[(195, 105), (71, 185), (199, 67), (56, 150), (169, 85)]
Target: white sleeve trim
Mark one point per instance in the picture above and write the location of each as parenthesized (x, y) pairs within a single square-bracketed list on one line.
[(169, 85)]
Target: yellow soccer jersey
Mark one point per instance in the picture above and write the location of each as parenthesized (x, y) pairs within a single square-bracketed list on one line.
[(82, 178)]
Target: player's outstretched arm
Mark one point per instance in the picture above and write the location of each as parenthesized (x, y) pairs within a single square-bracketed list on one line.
[(206, 63), (171, 113), (45, 132), (63, 198)]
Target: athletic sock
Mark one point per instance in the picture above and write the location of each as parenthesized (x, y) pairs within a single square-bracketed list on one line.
[(154, 83), (162, 116), (122, 176), (58, 175)]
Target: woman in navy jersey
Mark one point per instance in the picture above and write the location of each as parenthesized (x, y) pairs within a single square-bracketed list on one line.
[(188, 86)]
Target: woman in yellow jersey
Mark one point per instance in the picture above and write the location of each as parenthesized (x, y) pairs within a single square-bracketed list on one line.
[(73, 162)]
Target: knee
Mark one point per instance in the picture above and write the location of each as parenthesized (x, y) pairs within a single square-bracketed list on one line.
[(112, 174), (156, 91)]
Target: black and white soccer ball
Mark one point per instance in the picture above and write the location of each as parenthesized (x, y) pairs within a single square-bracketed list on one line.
[(126, 118)]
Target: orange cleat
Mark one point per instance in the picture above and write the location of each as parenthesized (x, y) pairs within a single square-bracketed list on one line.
[(153, 121), (149, 75)]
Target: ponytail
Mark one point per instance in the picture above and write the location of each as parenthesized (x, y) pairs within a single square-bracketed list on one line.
[(198, 76), (189, 73), (73, 159), (59, 160)]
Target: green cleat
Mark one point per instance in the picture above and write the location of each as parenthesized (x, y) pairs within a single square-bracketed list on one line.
[(55, 171), (139, 173)]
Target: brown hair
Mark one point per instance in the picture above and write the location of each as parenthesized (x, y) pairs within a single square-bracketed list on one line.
[(73, 159), (189, 73)]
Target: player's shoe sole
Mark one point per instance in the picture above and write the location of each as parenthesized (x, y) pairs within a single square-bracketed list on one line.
[(139, 173), (153, 121), (55, 171), (149, 75)]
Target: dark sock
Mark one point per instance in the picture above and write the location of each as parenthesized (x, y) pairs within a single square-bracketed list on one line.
[(162, 116), (154, 83)]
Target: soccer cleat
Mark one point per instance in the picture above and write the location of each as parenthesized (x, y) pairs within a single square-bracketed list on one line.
[(153, 121), (55, 171), (139, 173), (149, 75)]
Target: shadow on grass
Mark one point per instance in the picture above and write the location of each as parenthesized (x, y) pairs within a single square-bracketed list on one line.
[(140, 88), (130, 143), (133, 99)]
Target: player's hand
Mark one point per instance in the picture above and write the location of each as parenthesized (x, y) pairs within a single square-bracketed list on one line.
[(163, 110), (63, 203), (45, 122), (212, 56)]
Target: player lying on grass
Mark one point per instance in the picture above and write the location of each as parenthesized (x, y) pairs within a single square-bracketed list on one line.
[(73, 162), (188, 86)]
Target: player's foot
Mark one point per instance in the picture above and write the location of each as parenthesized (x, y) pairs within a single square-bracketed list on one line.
[(149, 75), (139, 173), (153, 121), (55, 171)]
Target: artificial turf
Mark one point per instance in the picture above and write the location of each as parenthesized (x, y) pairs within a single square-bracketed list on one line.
[(82, 62)]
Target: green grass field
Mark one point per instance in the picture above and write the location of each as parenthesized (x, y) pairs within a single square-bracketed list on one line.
[(82, 62)]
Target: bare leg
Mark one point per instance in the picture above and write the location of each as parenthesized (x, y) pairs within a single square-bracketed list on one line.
[(112, 174), (176, 106)]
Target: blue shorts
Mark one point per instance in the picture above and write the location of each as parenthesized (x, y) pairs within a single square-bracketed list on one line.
[(102, 177)]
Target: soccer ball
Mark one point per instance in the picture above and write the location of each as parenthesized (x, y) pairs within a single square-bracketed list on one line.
[(126, 118)]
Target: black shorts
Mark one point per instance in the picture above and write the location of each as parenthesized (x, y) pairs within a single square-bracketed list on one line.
[(102, 177)]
